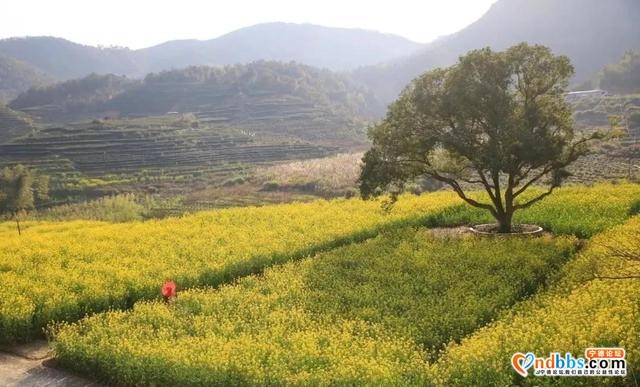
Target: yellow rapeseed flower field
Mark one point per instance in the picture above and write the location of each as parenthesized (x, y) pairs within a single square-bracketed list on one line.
[(579, 313), (63, 271), (368, 313)]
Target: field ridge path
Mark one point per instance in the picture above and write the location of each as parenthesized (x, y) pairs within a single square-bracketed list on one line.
[(26, 365)]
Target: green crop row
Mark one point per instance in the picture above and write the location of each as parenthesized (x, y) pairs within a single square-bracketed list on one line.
[(368, 313)]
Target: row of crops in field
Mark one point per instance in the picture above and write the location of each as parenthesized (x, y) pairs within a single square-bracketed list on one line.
[(578, 313), (365, 313), (96, 266), (405, 308), (161, 147), (62, 271), (385, 310)]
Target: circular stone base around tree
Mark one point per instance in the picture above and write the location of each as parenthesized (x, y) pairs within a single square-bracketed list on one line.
[(516, 229)]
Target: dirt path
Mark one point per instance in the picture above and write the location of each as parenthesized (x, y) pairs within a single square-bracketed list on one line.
[(26, 366)]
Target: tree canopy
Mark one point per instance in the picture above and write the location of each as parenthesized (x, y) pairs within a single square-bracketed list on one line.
[(19, 189), (497, 120)]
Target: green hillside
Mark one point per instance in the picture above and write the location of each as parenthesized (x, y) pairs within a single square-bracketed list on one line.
[(266, 97), (14, 124), (17, 76), (622, 77), (148, 151), (74, 98), (592, 33)]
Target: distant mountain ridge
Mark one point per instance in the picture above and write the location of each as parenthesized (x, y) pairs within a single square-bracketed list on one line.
[(592, 33), (333, 48), (336, 49)]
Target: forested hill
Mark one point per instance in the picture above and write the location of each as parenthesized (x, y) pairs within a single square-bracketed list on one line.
[(61, 59), (17, 76), (73, 97), (13, 124), (239, 86), (622, 77), (277, 97), (592, 33)]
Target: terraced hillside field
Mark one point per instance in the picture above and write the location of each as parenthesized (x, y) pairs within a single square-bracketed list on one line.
[(14, 124), (176, 148), (617, 159), (266, 97)]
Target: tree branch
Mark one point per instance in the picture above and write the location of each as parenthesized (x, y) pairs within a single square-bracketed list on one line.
[(535, 200)]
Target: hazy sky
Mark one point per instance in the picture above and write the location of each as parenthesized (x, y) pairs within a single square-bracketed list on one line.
[(136, 24)]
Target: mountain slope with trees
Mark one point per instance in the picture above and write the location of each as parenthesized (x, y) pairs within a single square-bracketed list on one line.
[(13, 124), (74, 97), (274, 97), (592, 33), (17, 76), (62, 59)]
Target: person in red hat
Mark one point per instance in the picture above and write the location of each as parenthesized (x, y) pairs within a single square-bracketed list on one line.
[(169, 292)]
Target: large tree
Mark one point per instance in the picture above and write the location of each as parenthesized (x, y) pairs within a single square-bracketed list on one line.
[(498, 120), (19, 189)]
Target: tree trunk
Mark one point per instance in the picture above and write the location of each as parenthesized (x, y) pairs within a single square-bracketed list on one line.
[(18, 224), (504, 223)]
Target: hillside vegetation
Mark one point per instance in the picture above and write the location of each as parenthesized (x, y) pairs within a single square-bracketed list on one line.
[(17, 77), (75, 97), (13, 124), (174, 149), (622, 77), (277, 98), (592, 33)]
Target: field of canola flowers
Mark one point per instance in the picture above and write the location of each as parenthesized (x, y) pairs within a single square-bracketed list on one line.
[(365, 313), (576, 314), (382, 311), (62, 271)]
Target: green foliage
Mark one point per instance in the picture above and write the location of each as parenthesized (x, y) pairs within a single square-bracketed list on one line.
[(19, 189), (364, 314), (14, 124), (85, 95), (498, 120), (17, 76), (624, 76), (119, 208)]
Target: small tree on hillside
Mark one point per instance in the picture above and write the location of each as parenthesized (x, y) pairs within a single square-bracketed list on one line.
[(495, 119), (19, 189)]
